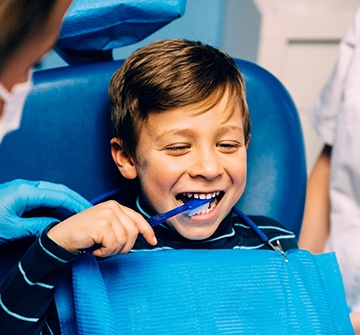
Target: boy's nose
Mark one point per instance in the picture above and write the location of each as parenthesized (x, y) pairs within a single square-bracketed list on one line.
[(206, 164)]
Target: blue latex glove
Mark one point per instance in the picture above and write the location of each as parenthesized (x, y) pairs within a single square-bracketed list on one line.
[(20, 196)]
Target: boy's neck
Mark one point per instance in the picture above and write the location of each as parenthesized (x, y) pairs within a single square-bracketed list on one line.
[(143, 207)]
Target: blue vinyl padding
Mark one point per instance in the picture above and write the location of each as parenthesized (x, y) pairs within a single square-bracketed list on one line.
[(92, 29), (65, 133)]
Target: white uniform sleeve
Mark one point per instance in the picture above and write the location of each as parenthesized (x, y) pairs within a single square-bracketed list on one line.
[(325, 113), (337, 119)]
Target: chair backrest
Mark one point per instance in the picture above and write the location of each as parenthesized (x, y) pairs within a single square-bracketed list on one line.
[(65, 132), (276, 184)]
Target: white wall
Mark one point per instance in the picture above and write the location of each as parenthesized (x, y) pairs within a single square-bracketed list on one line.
[(296, 40)]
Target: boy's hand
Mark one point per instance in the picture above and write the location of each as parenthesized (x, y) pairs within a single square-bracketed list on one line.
[(112, 226)]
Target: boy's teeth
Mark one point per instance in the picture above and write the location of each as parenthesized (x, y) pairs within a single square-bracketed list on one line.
[(206, 208), (202, 195)]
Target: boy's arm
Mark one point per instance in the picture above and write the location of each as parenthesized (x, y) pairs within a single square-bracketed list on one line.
[(27, 292), (316, 224)]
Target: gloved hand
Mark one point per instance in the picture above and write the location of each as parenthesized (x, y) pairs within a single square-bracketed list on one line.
[(20, 196)]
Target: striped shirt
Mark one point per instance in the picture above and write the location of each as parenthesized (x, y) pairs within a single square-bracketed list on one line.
[(26, 296)]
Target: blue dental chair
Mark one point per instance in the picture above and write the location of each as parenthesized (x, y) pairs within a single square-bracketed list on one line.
[(64, 138), (65, 133)]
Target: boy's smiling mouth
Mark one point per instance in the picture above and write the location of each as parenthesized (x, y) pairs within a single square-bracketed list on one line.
[(205, 209)]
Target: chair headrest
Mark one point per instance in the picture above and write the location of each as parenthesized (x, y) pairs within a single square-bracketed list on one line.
[(92, 29)]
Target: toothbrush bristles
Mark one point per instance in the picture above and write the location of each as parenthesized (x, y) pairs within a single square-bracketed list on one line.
[(197, 206)]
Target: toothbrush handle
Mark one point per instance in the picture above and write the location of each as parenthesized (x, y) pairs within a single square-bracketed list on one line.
[(162, 217)]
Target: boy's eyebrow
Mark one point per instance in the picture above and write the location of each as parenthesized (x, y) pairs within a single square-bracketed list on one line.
[(189, 132), (176, 131), (232, 127)]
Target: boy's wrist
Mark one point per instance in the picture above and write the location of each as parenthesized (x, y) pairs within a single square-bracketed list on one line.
[(51, 243)]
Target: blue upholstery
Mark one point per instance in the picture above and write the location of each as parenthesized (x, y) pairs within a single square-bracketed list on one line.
[(65, 132), (92, 29), (276, 182)]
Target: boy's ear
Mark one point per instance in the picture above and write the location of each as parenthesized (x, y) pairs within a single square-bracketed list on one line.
[(122, 159), (247, 140)]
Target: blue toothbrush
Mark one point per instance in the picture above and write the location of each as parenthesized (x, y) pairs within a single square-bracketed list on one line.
[(189, 205)]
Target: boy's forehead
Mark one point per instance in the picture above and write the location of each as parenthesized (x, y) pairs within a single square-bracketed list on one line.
[(179, 118), (225, 108), (228, 104)]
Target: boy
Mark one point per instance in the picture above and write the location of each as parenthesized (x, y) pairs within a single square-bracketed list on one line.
[(181, 129)]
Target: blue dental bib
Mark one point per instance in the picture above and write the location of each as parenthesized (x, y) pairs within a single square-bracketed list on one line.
[(205, 292)]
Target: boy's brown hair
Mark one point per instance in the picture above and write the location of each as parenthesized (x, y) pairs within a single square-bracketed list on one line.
[(170, 74)]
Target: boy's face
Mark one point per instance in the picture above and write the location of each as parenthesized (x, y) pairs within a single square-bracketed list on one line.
[(185, 151)]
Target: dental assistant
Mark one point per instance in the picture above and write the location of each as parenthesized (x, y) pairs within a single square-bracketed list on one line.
[(332, 212), (28, 30)]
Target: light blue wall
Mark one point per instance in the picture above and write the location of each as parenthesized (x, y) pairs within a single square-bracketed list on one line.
[(203, 20)]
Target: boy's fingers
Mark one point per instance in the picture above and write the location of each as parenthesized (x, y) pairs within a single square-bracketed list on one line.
[(111, 226), (125, 227), (111, 243), (142, 225), (131, 236), (127, 233), (150, 236)]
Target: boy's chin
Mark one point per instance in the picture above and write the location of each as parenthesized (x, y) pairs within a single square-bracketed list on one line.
[(195, 234)]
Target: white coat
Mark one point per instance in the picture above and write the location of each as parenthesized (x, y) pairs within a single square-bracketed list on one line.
[(336, 117)]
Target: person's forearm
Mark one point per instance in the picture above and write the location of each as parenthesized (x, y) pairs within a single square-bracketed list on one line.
[(316, 224), (355, 320)]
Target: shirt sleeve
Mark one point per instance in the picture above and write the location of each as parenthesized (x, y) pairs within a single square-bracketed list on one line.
[(27, 292), (327, 109), (345, 182)]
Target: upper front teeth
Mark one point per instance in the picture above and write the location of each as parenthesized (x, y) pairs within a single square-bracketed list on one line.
[(203, 195)]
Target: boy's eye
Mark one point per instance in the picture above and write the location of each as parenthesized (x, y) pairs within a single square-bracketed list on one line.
[(177, 148), (229, 146)]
